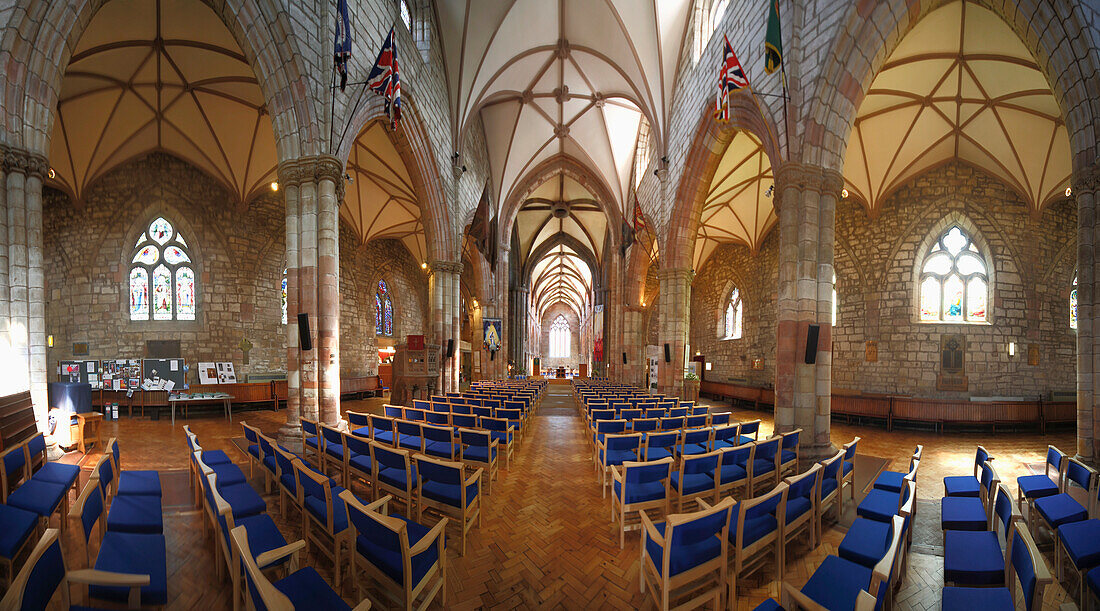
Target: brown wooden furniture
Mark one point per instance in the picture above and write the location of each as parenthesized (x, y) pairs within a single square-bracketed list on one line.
[(16, 419), (83, 439)]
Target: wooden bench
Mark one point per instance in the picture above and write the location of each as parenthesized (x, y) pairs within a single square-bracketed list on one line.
[(17, 422)]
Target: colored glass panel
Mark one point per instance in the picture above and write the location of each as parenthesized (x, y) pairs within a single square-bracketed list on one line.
[(147, 256), (389, 316), (185, 294), (1073, 309), (975, 300), (173, 255), (162, 293), (377, 315), (139, 294), (284, 296), (953, 298), (160, 230), (179, 238), (930, 299)]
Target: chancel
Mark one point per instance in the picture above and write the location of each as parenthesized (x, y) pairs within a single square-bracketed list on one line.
[(738, 304)]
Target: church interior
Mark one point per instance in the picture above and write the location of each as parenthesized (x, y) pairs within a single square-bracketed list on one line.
[(740, 304)]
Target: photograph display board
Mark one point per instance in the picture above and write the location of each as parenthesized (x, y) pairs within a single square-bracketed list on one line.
[(226, 374), (86, 372), (163, 374), (120, 374), (208, 372)]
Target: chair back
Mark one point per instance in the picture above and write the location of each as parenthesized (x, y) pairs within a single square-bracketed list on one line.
[(475, 438), (251, 433), (804, 485), (332, 435), (389, 458), (665, 439), (721, 418), (654, 412), (421, 404), (610, 426), (379, 533), (738, 455), (678, 412), (484, 411), (850, 449), (671, 423), (105, 471), (393, 411), (790, 439), (728, 433), (439, 418), (358, 420), (461, 409), (1055, 458), (752, 510), (284, 461), (36, 448), (1080, 474), (436, 433), (631, 414), (415, 414), (319, 487), (463, 420), (603, 414), (441, 406), (882, 575), (981, 455), (695, 421), (1029, 567), (684, 532), (309, 427), (644, 425), (697, 436), (751, 427), (768, 449), (357, 445), (646, 472), (15, 467), (89, 508), (408, 427), (264, 595), (700, 463), (831, 469), (1005, 512), (41, 575), (988, 482)]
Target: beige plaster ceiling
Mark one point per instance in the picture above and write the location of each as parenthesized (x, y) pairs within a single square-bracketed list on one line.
[(561, 276), (161, 75), (962, 86)]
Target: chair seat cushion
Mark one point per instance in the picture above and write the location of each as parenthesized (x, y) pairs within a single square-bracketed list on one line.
[(1093, 579), (720, 444), (39, 497), (1060, 509), (254, 450), (215, 457), (311, 442), (690, 449), (15, 526), (657, 453), (135, 514), (439, 448), (848, 466), (828, 486), (762, 466), (448, 493), (383, 436), (317, 508), (263, 536), (360, 462), (306, 589), (769, 605), (389, 560), (640, 492), (363, 431), (962, 513), (134, 554), (878, 505), (1081, 540), (836, 584), (890, 481), (616, 457), (865, 542), (745, 439), (409, 442), (1036, 486), (693, 482), (396, 477), (502, 436), (243, 499), (269, 464), (786, 456), (969, 599), (796, 507), (961, 485), (57, 473), (754, 529), (684, 557), (731, 473), (335, 451), (139, 483), (973, 558), (478, 453), (228, 475)]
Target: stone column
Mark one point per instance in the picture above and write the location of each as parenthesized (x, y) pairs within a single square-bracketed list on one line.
[(443, 297), (517, 303), (1086, 184), (806, 203), (633, 372), (675, 310)]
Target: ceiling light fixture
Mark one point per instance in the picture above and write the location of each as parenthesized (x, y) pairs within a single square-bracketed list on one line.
[(274, 185), (844, 194)]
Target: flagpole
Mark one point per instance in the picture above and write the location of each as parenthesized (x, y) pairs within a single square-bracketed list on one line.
[(332, 107), (786, 117)]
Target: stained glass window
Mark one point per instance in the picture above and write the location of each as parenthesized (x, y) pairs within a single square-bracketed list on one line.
[(1073, 305), (406, 16), (954, 284), (383, 310), (836, 305), (734, 311), (162, 281), (560, 340), (284, 295)]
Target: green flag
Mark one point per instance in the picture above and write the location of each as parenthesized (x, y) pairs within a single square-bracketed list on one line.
[(773, 40)]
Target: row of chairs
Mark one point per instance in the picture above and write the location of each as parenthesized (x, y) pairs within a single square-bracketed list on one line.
[(515, 418), (385, 428), (676, 441), (656, 419)]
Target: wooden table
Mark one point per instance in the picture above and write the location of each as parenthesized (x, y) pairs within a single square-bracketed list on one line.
[(225, 399), (95, 419)]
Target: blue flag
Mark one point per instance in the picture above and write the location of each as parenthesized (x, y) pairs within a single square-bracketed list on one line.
[(341, 48)]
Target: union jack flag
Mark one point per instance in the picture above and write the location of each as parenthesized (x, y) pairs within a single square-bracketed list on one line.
[(385, 79), (731, 77), (341, 48)]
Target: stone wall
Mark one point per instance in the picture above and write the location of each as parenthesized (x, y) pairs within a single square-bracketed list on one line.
[(576, 349), (1034, 261)]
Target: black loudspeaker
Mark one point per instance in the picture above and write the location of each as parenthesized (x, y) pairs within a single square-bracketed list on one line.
[(811, 344), (304, 340), (492, 355), (624, 358), (450, 347), (668, 354)]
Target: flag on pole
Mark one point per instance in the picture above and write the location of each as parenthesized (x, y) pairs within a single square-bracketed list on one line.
[(773, 40), (639, 219), (385, 79), (342, 46), (731, 77)]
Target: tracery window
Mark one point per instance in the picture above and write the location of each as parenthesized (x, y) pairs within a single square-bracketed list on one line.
[(1073, 305), (954, 282), (406, 14), (284, 295), (836, 305), (383, 310), (734, 315), (560, 339), (717, 12), (162, 279)]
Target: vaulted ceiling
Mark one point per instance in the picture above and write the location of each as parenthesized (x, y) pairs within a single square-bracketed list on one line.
[(560, 206), (161, 75), (738, 208), (961, 85), (561, 276)]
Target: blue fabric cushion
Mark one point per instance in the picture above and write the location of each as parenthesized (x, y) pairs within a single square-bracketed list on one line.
[(438, 448), (409, 442), (311, 442), (786, 456), (731, 473), (263, 536), (690, 449), (657, 453), (769, 605), (243, 500), (1081, 541), (57, 473), (396, 477), (962, 513), (720, 444), (848, 466), (640, 492), (40, 497), (760, 466), (754, 530), (1093, 580), (878, 505), (287, 479), (139, 483), (969, 599), (1036, 486), (383, 436), (254, 450), (478, 453), (363, 431), (890, 481), (269, 464), (961, 485), (796, 507), (215, 457), (135, 514), (389, 560), (684, 557), (501, 436), (448, 493), (746, 439), (973, 558), (616, 457), (337, 451), (306, 589), (228, 475), (316, 506), (360, 462), (15, 526), (1060, 509), (837, 583), (693, 482), (134, 554), (827, 486), (865, 542)]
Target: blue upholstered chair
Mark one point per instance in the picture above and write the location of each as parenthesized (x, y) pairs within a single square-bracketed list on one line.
[(439, 441), (479, 449), (677, 412), (139, 554), (333, 457), (36, 496), (359, 463), (16, 529), (848, 470), (967, 485), (359, 423), (504, 434), (800, 514), (752, 427), (967, 512), (644, 425), (694, 441), (685, 556), (894, 481), (615, 450), (381, 430), (975, 558), (311, 442), (788, 452), (764, 464), (654, 412), (672, 423), (631, 414), (392, 473), (422, 404), (252, 449), (1063, 508), (830, 487), (661, 445), (127, 514), (443, 486), (286, 482), (1031, 487), (726, 436), (695, 422), (515, 419), (720, 419), (603, 428), (637, 487), (485, 412), (242, 498), (409, 436), (866, 540), (408, 559), (733, 468), (393, 411), (43, 470), (463, 421), (1024, 564), (755, 535), (438, 418), (324, 518), (695, 478), (415, 414), (883, 505)]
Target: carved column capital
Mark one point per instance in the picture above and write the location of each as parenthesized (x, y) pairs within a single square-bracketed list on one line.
[(23, 162), (1087, 180), (806, 177), (684, 274), (313, 168), (446, 267)]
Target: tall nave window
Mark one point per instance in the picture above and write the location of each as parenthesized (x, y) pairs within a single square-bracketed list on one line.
[(559, 338), (383, 310), (954, 283), (734, 315), (1073, 305), (162, 279)]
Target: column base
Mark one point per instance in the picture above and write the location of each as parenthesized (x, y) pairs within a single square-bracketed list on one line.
[(290, 437), (810, 454)]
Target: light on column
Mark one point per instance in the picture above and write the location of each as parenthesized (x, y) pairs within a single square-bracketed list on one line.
[(423, 266), (274, 185), (49, 341), (1011, 349)]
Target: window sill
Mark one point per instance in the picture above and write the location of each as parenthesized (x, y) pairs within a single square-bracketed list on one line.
[(964, 323)]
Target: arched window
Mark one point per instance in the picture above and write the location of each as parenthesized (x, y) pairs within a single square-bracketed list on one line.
[(716, 13), (406, 14), (836, 305), (734, 315), (1073, 305), (162, 279), (284, 295), (383, 310), (559, 338), (954, 283)]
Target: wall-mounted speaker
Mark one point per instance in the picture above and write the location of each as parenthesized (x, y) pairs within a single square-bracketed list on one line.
[(492, 355), (668, 354), (450, 347), (305, 342), (811, 343), (624, 358)]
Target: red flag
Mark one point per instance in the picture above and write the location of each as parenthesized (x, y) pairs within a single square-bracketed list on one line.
[(731, 77)]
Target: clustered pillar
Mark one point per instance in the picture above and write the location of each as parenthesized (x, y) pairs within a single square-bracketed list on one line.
[(806, 205), (1086, 183), (675, 305), (517, 327), (443, 292), (22, 281), (312, 188)]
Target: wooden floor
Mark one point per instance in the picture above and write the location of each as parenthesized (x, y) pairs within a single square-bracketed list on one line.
[(546, 539)]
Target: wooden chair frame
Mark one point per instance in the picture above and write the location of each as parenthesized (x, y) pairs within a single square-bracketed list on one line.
[(492, 463), (510, 438), (465, 514), (329, 462), (285, 494), (770, 478), (318, 454), (748, 559), (849, 479), (601, 456), (625, 509), (252, 460), (732, 487), (696, 582), (330, 544), (790, 466), (710, 493), (835, 498), (407, 495), (806, 521)]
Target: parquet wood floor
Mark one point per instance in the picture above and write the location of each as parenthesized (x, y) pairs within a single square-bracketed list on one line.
[(546, 539)]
